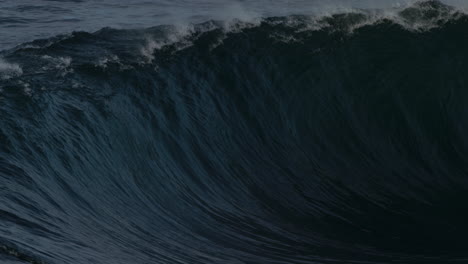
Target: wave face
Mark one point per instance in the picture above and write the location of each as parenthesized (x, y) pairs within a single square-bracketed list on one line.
[(339, 139)]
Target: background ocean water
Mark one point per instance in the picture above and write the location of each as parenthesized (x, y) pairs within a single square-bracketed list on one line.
[(233, 132)]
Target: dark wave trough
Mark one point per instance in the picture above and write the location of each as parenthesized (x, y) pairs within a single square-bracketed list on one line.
[(340, 139)]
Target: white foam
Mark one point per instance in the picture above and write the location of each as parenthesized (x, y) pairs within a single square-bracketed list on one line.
[(370, 17), (147, 51), (9, 70), (104, 62), (182, 35), (63, 64), (178, 35)]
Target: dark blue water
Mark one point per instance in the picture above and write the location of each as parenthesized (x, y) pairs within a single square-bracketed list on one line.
[(233, 132)]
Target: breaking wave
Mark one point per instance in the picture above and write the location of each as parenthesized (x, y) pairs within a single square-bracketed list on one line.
[(297, 139)]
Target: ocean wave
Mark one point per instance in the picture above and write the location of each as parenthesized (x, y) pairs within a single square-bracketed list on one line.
[(295, 139)]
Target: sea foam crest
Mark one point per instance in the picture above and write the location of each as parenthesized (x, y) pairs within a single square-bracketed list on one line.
[(419, 16), (181, 36)]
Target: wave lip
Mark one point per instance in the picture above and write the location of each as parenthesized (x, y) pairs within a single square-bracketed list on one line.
[(420, 16)]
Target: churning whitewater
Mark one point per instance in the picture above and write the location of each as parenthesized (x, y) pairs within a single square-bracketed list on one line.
[(339, 138)]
